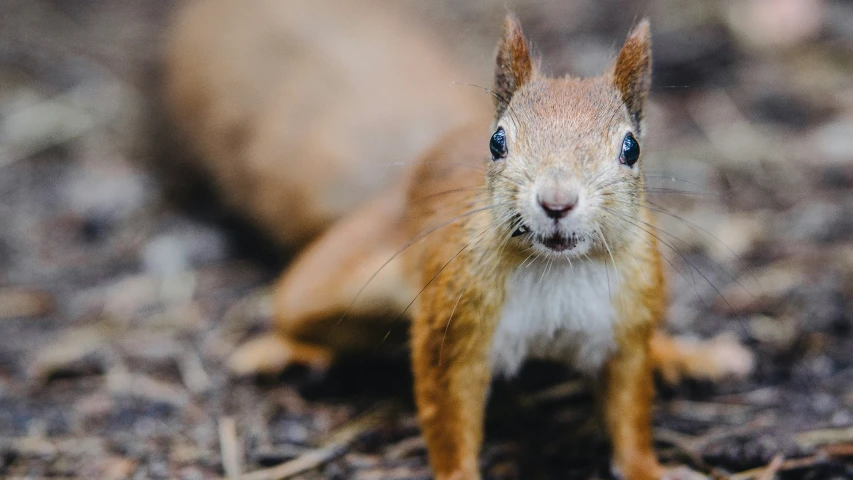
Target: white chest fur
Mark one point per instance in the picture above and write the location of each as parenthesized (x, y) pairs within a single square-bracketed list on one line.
[(564, 313)]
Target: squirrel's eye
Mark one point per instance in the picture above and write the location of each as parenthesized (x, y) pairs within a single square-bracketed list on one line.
[(498, 144), (630, 150)]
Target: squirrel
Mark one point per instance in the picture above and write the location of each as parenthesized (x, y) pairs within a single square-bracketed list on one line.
[(520, 237), (293, 113)]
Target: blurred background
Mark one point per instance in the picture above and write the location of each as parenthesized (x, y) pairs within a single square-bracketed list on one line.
[(126, 282)]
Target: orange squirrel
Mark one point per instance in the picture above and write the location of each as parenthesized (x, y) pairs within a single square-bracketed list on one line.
[(523, 239)]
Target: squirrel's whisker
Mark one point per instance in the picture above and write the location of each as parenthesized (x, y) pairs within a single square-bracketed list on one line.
[(409, 244)]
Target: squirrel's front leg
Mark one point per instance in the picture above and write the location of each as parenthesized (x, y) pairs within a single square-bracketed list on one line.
[(452, 376), (627, 405)]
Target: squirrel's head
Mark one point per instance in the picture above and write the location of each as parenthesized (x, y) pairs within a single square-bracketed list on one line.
[(565, 174)]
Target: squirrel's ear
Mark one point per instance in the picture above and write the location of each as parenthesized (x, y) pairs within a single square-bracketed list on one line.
[(633, 71), (514, 67)]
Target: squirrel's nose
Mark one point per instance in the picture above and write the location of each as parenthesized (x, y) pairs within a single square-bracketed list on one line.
[(557, 204)]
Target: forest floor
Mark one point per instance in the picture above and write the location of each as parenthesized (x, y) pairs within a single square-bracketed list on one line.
[(119, 306)]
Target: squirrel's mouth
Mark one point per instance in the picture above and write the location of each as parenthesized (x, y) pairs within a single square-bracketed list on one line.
[(559, 243), (556, 241)]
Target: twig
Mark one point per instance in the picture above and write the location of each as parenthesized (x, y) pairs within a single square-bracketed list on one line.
[(37, 445), (692, 446), (303, 463), (793, 464), (840, 450), (697, 443), (333, 448), (772, 468), (817, 438), (561, 391), (405, 447), (121, 382), (683, 443), (710, 412), (230, 448)]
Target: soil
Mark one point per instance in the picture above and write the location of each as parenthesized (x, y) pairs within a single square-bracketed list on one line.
[(119, 304)]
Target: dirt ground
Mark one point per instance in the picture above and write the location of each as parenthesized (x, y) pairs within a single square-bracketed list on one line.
[(119, 305)]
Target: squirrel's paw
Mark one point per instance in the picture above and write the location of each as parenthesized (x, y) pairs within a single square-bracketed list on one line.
[(273, 353), (730, 357), (721, 357)]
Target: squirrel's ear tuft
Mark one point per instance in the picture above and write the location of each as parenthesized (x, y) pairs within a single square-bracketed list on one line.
[(633, 71), (514, 67)]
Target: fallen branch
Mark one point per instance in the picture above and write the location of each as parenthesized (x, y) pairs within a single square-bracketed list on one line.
[(772, 468), (818, 438), (336, 446), (769, 471)]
